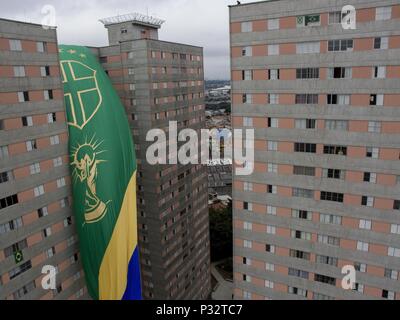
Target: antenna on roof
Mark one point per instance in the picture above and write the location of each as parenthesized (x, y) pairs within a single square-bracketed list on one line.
[(136, 18)]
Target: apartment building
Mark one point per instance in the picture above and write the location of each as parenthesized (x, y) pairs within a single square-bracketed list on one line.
[(36, 222), (159, 82), (324, 103)]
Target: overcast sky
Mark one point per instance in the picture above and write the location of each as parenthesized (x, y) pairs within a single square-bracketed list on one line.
[(198, 22)]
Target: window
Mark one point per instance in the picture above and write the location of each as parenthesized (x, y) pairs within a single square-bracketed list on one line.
[(38, 191), (395, 229), (23, 96), (15, 45), (374, 126), (340, 45), (273, 98), (271, 230), (307, 73), (331, 261), (381, 43), (60, 183), (57, 162), (305, 147), (43, 212), (272, 168), (247, 75), (372, 153), (365, 224), (273, 49), (54, 140), (247, 26), (298, 254), (50, 252), (330, 219), (270, 248), (305, 123), (340, 125), (396, 205), (306, 99), (247, 51), (19, 71), (383, 13), (273, 24), (6, 176), (247, 122), (248, 186), (297, 291), (246, 295), (247, 98), (246, 261), (273, 123), (34, 168), (390, 295), (269, 284), (335, 17), (271, 210), (302, 235), (248, 226), (339, 73), (337, 150), (269, 267), (48, 94), (131, 87), (41, 46), (272, 189), (369, 177), (247, 206), (45, 71), (298, 273), (329, 240), (11, 225), (360, 267), (379, 72), (20, 269), (27, 121), (339, 99), (273, 74), (302, 193), (51, 117), (325, 279), (247, 244), (31, 145), (394, 252), (308, 47), (304, 171), (333, 174), (391, 274), (302, 214), (376, 100), (332, 196), (362, 246), (1, 124), (367, 201), (272, 146), (3, 152)]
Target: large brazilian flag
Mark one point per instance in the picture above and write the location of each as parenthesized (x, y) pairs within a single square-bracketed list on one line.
[(103, 168)]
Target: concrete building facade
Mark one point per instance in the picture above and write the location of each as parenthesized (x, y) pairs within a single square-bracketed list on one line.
[(36, 220), (324, 103), (159, 82)]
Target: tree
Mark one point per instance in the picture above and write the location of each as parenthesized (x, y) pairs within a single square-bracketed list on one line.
[(221, 233)]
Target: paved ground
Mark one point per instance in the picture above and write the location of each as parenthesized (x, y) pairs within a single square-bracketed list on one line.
[(224, 289)]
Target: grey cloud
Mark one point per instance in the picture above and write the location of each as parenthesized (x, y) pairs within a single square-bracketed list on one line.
[(198, 22)]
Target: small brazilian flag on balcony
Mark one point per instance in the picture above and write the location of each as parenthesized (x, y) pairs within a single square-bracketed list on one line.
[(103, 169)]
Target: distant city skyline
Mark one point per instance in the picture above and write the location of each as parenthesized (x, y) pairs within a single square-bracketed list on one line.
[(198, 22)]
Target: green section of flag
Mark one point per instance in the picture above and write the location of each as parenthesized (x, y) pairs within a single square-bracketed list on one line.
[(18, 256), (312, 19), (102, 156)]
